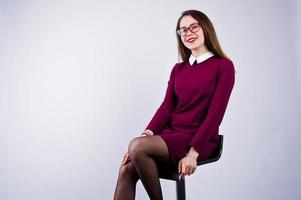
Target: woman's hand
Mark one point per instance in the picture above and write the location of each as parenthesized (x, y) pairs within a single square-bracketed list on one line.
[(126, 158), (187, 165)]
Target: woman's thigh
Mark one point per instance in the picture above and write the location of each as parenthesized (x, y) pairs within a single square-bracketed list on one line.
[(153, 146)]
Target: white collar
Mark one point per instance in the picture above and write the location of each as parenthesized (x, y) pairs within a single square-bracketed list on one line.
[(201, 58)]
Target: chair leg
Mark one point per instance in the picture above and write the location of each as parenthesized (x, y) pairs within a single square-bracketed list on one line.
[(180, 186)]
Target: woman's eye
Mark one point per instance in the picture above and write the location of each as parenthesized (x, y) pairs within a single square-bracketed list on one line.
[(195, 27)]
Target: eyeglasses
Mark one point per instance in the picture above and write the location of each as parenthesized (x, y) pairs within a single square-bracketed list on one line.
[(195, 27)]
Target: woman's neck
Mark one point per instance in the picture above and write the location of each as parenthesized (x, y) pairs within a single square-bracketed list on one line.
[(199, 51)]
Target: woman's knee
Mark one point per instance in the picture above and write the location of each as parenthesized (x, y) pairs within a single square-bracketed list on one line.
[(136, 147), (128, 171)]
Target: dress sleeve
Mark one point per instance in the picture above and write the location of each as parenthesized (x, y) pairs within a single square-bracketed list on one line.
[(164, 111), (217, 106)]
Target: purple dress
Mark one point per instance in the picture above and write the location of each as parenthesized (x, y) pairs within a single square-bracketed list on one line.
[(193, 107)]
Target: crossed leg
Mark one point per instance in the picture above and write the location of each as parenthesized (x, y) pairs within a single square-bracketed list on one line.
[(126, 183), (144, 153)]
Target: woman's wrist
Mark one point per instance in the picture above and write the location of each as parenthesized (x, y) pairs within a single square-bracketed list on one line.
[(144, 134), (193, 153), (148, 132), (192, 156)]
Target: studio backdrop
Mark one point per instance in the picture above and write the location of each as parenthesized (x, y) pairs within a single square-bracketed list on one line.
[(80, 79)]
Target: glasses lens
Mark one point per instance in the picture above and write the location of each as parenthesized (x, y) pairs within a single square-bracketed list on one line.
[(182, 32), (194, 28)]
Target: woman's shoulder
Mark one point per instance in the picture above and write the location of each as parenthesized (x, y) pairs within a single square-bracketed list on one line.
[(180, 64), (223, 60), (225, 65)]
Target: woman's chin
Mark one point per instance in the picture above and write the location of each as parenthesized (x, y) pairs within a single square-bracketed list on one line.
[(193, 47), (190, 46)]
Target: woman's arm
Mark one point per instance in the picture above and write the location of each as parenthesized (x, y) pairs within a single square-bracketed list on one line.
[(217, 106), (164, 111)]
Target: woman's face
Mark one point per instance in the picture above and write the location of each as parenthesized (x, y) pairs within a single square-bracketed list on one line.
[(193, 41)]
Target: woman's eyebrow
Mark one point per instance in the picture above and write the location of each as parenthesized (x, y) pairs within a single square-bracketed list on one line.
[(183, 27), (189, 25)]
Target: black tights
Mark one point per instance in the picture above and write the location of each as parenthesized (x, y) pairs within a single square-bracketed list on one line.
[(144, 153)]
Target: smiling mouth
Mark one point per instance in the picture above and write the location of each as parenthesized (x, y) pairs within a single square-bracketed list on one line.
[(191, 40)]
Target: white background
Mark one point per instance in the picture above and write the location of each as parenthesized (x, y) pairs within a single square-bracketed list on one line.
[(80, 79)]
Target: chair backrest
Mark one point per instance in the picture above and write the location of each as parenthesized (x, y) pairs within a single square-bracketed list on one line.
[(216, 154)]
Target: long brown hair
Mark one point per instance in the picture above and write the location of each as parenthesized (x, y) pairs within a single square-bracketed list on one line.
[(210, 38)]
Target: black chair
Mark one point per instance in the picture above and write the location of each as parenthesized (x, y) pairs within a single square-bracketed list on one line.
[(174, 175)]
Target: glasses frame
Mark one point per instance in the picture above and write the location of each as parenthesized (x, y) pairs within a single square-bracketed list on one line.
[(189, 28)]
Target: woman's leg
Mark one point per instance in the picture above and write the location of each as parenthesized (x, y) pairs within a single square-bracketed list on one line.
[(126, 183), (144, 152)]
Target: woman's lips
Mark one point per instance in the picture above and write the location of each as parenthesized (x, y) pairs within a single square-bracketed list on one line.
[(191, 40)]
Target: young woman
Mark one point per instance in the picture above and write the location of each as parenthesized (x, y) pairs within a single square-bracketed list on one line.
[(185, 127)]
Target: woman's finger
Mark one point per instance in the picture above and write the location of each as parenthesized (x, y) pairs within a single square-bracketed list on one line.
[(190, 171), (183, 170), (180, 167), (125, 158)]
